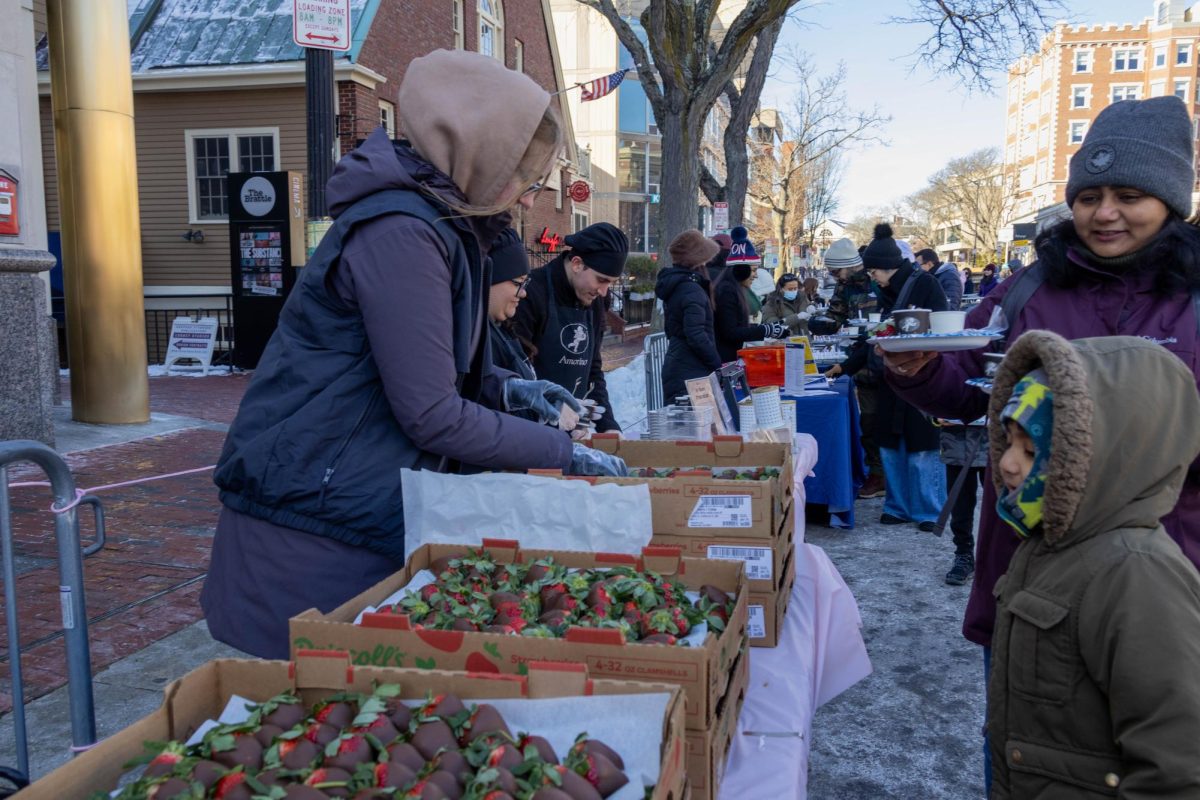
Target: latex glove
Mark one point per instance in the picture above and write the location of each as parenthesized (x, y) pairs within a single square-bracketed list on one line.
[(589, 461), (793, 319), (810, 310), (541, 397), (774, 330)]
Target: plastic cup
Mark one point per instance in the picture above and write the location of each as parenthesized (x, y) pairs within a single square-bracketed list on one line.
[(947, 321)]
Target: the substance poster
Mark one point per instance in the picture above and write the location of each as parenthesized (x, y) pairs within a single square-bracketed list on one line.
[(262, 262)]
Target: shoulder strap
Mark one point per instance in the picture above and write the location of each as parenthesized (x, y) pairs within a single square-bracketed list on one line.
[(1024, 284), (906, 292), (1196, 307)]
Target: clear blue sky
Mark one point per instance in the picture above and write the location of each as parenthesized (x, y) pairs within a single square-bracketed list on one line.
[(934, 118)]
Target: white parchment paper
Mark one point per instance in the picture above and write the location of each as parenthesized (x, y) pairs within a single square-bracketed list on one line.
[(539, 512)]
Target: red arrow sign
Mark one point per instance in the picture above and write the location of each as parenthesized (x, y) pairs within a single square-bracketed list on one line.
[(326, 38), (321, 24)]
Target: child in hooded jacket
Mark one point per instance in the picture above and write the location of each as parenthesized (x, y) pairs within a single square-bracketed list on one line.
[(1094, 689)]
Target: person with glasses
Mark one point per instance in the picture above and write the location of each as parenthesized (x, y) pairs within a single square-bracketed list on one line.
[(381, 361), (561, 322), (510, 281)]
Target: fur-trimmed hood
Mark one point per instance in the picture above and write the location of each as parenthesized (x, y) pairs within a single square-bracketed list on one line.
[(1125, 430)]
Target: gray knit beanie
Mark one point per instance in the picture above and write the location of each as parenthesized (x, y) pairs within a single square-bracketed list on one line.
[(1142, 144)]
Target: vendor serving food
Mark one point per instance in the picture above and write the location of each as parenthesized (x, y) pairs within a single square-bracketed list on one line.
[(382, 356)]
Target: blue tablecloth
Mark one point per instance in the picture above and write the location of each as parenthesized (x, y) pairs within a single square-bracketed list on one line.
[(832, 419)]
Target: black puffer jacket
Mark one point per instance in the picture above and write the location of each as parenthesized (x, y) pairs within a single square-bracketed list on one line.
[(899, 422), (692, 346), (732, 318)]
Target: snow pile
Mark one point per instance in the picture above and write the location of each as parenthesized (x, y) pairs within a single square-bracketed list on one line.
[(627, 394)]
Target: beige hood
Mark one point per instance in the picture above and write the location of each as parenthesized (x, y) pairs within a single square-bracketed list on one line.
[(1126, 428), (471, 118)]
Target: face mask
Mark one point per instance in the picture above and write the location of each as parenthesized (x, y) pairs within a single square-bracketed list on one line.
[(792, 295)]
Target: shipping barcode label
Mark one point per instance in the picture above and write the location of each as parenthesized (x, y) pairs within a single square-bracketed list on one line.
[(721, 511), (756, 625), (759, 561)]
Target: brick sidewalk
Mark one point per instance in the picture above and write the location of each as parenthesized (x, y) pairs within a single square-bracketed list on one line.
[(145, 584)]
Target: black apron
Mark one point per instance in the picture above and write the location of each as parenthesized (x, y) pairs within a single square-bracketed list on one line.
[(508, 354), (565, 351)]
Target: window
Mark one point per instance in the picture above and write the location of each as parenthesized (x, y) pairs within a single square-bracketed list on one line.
[(579, 221), (518, 55), (456, 22), (387, 117), (1160, 56), (1182, 88), (1162, 14), (1029, 113), (1158, 88), (213, 154), (1183, 53), (1043, 138), (491, 29), (1126, 92), (1042, 168), (1083, 60), (634, 224), (633, 108), (1081, 96), (631, 166), (1078, 129), (1128, 60)]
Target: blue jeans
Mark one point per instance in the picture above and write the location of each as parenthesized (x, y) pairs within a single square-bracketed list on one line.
[(987, 750), (916, 484)]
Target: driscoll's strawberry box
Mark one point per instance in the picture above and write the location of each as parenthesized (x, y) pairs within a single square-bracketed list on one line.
[(707, 751), (195, 701), (726, 487), (766, 612), (483, 635)]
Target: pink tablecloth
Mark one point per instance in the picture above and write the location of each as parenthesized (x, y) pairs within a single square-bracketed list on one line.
[(820, 654)]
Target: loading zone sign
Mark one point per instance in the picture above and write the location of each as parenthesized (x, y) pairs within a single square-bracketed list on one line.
[(324, 24), (192, 339)]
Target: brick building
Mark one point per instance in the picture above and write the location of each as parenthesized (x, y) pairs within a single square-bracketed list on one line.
[(1054, 94), (219, 87)]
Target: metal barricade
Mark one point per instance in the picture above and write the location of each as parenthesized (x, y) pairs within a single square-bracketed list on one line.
[(70, 590), (655, 348)]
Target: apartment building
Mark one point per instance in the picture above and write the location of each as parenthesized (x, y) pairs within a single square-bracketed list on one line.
[(1056, 93)]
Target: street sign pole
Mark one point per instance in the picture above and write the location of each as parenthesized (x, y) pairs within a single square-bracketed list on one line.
[(320, 27), (319, 104)]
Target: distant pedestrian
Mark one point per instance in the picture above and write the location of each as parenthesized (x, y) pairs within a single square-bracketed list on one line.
[(686, 294), (946, 274), (988, 281), (968, 282)]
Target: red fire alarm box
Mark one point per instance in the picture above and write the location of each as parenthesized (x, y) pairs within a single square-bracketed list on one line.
[(9, 224)]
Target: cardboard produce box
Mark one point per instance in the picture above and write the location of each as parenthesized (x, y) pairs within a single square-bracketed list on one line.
[(203, 693), (708, 750), (765, 562), (696, 504), (766, 611), (389, 639)]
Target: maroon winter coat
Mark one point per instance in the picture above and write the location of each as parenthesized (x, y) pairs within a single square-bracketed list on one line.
[(1101, 305)]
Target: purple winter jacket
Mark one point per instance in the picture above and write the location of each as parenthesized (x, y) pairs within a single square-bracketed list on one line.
[(1102, 305)]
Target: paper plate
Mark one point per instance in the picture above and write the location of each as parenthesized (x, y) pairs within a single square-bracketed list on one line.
[(935, 342)]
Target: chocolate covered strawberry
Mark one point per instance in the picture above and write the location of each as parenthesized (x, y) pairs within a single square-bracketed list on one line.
[(167, 759), (293, 751), (284, 711), (348, 751), (338, 713), (433, 736), (233, 787), (234, 749), (392, 776), (531, 746)]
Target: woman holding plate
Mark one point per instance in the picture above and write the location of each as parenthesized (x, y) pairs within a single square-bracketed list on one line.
[(1127, 263), (908, 441)]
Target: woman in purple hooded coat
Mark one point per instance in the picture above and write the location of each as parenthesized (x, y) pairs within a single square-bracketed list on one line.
[(1126, 264)]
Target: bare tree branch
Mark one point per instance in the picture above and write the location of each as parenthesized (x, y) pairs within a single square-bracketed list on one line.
[(978, 39)]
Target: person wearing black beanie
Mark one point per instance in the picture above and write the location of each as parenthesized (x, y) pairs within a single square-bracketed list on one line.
[(908, 443), (510, 277), (562, 320)]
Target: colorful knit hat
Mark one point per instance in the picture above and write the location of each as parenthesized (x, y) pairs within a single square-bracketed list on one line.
[(1031, 406), (742, 250)]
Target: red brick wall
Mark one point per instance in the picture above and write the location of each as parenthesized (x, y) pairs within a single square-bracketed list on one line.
[(358, 113), (404, 31)]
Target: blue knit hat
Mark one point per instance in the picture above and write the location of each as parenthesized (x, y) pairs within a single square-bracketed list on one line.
[(742, 251)]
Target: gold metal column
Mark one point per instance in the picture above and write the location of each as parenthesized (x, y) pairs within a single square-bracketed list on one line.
[(91, 89)]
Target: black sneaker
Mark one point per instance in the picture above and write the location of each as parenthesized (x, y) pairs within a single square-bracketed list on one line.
[(892, 519), (927, 526), (963, 569)]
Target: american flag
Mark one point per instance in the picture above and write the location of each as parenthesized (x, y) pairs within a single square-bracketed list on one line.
[(602, 86)]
